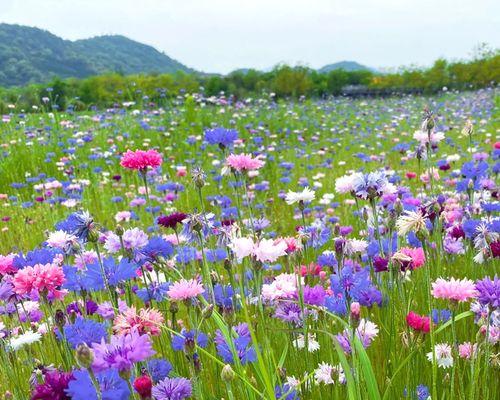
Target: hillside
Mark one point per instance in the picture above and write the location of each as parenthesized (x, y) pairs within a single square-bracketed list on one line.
[(32, 55), (345, 65)]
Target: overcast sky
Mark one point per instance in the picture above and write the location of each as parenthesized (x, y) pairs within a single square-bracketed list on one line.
[(222, 35)]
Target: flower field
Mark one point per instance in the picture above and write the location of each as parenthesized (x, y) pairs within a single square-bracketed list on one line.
[(207, 248)]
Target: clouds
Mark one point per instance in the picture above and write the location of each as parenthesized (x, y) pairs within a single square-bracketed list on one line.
[(222, 35)]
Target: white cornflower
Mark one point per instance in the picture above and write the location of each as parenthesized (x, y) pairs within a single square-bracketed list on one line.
[(355, 246), (345, 184), (306, 196), (312, 343), (26, 338), (444, 358), (323, 374), (412, 221), (60, 239)]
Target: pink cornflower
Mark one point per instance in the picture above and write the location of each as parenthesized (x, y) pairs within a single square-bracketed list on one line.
[(454, 289), (7, 264), (467, 350), (146, 321), (410, 258), (243, 162), (45, 279), (185, 289), (140, 160)]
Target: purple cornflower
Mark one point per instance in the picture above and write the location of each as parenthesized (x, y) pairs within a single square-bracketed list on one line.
[(122, 352), (314, 295), (172, 389), (489, 291), (289, 311)]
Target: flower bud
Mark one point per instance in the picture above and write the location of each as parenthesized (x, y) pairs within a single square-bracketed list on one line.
[(227, 374), (84, 355), (143, 385), (119, 230)]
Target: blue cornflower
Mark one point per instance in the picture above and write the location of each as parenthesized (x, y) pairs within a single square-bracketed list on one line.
[(155, 291), (356, 286), (286, 392), (156, 247), (112, 386), (221, 136), (439, 316), (37, 256), (188, 340), (115, 273), (242, 345), (84, 331), (158, 369), (78, 224), (186, 254)]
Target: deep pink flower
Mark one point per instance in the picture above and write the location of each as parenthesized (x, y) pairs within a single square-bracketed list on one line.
[(417, 256), (418, 322), (454, 289), (40, 278), (141, 160), (7, 264)]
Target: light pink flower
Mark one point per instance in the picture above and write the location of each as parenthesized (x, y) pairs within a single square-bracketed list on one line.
[(242, 247), (284, 286), (185, 289), (141, 160), (467, 350), (243, 162), (146, 321), (454, 289), (267, 250)]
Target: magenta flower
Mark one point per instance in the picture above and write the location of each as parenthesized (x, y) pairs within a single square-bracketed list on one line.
[(454, 289), (140, 160), (122, 352)]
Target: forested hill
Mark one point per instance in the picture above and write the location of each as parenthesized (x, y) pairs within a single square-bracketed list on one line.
[(32, 55)]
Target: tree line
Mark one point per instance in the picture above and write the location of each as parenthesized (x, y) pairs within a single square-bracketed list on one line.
[(284, 81)]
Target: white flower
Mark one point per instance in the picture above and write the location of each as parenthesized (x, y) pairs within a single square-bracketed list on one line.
[(292, 382), (121, 216), (60, 239), (345, 184), (444, 358), (312, 343), (323, 374), (413, 221), (269, 251), (284, 286), (242, 247), (306, 196), (423, 137), (356, 246), (26, 338)]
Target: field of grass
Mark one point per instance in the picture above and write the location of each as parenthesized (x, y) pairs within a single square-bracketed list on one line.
[(354, 273)]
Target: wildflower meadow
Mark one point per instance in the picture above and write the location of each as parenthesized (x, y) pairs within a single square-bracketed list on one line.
[(260, 248)]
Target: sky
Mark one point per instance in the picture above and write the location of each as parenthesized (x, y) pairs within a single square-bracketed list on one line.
[(223, 35)]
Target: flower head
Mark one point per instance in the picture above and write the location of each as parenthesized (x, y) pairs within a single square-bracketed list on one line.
[(140, 160), (122, 352), (243, 162), (185, 289), (454, 289), (172, 389)]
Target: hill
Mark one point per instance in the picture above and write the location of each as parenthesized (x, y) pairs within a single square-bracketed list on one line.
[(345, 65), (32, 55)]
